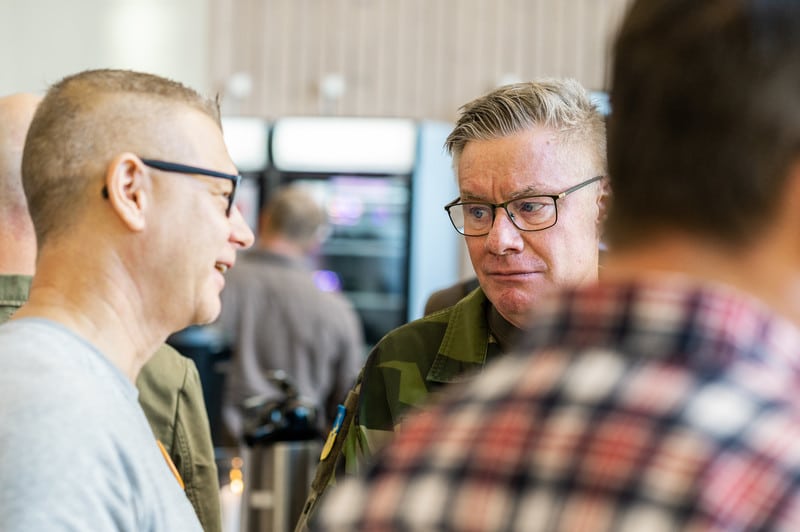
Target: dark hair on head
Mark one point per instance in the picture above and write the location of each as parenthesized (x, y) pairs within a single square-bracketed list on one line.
[(705, 121)]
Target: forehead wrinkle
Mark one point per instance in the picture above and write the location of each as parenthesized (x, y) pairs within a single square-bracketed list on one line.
[(529, 190), (537, 161)]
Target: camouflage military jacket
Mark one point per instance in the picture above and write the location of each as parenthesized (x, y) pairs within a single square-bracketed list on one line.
[(402, 371), (413, 361)]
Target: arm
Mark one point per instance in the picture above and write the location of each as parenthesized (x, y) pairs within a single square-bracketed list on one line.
[(391, 381), (349, 452), (333, 459), (171, 396), (193, 453), (348, 361)]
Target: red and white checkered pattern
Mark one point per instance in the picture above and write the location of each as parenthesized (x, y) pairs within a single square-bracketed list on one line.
[(655, 405)]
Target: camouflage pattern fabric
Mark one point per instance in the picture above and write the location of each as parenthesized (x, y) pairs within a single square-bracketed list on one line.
[(402, 371)]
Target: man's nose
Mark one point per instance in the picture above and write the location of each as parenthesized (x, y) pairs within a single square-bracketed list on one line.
[(503, 236), (241, 234)]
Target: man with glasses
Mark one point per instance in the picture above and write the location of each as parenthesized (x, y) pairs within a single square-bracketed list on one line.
[(129, 250), (170, 391), (664, 397), (528, 213), (178, 168), (530, 161)]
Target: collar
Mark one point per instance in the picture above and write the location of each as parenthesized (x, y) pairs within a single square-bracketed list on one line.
[(465, 345), (504, 332)]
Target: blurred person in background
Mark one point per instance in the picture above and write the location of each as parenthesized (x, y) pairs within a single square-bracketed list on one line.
[(278, 318), (664, 397), (118, 269), (530, 161)]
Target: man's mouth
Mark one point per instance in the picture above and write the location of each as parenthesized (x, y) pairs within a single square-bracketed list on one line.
[(221, 268), (511, 273)]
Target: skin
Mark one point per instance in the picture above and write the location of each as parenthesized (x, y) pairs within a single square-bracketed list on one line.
[(146, 261), (209, 240), (515, 268), (17, 238)]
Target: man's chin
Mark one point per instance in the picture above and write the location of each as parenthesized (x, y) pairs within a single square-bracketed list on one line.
[(517, 297), (207, 315), (517, 287)]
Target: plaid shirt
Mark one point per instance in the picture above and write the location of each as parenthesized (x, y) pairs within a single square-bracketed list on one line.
[(648, 406)]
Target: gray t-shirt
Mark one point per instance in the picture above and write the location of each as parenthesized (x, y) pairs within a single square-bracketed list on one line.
[(76, 452)]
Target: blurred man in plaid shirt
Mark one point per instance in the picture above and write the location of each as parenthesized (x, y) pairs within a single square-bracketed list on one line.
[(667, 397)]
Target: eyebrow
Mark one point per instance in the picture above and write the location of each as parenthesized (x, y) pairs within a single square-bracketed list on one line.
[(531, 190)]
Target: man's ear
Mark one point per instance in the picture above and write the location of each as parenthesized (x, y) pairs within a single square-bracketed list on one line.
[(127, 187), (603, 200), (603, 203)]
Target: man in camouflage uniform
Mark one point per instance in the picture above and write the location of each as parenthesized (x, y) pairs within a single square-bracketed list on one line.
[(530, 161)]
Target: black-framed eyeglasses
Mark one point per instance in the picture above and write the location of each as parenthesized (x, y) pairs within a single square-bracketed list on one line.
[(527, 213), (186, 169), (178, 168)]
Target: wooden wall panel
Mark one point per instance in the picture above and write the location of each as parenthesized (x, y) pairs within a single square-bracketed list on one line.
[(410, 58)]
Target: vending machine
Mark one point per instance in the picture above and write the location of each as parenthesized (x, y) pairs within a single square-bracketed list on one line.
[(247, 140), (383, 182)]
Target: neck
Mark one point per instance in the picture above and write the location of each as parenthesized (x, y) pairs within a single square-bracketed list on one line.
[(766, 271), (93, 300)]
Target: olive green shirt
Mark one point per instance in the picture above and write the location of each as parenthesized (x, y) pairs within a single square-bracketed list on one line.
[(172, 399)]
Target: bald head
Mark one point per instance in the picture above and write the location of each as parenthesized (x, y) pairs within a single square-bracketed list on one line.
[(17, 237), (16, 113)]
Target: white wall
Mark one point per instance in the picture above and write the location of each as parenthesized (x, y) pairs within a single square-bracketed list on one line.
[(42, 41)]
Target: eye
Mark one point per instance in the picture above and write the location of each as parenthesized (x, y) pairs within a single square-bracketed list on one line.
[(529, 206), (534, 210), (225, 196), (226, 190), (476, 211)]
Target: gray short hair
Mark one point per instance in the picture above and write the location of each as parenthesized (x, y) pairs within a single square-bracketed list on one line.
[(562, 105)]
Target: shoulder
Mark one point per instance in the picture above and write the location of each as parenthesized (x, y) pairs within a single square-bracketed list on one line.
[(458, 333), (429, 331), (42, 357), (87, 400), (334, 306), (417, 341), (166, 369)]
